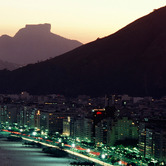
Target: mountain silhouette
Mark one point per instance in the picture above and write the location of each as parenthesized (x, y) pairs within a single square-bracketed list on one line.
[(34, 43), (131, 61), (8, 66)]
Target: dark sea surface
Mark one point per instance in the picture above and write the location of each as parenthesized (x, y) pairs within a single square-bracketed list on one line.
[(17, 154)]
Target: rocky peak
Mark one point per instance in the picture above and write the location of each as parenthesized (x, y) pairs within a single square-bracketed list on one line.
[(32, 29), (39, 27)]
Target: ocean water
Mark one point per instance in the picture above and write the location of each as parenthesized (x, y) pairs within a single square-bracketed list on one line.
[(16, 154)]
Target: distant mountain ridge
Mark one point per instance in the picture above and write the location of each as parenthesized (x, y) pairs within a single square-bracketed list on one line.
[(131, 61), (34, 43), (8, 66)]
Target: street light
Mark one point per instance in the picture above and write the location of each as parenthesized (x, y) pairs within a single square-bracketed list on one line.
[(59, 140), (34, 133), (73, 145), (162, 163), (88, 150), (120, 162), (103, 156)]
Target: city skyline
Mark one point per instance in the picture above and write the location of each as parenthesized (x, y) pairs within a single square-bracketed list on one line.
[(84, 21)]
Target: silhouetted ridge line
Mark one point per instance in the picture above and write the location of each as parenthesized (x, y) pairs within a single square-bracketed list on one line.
[(131, 61)]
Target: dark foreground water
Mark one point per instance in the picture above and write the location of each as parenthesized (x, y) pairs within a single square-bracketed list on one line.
[(15, 154)]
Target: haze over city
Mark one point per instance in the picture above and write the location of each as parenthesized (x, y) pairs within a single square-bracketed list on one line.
[(84, 21)]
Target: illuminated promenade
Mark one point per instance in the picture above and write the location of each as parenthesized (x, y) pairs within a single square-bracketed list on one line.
[(71, 152)]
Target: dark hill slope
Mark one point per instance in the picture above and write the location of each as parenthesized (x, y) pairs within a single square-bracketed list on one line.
[(130, 61)]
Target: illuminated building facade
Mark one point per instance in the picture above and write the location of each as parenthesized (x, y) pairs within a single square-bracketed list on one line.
[(44, 121), (152, 139), (56, 122), (67, 126), (122, 129), (160, 144), (101, 131), (26, 117)]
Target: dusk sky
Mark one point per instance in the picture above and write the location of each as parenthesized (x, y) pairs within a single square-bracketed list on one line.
[(83, 20)]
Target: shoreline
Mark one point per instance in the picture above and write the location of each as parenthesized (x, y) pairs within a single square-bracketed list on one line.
[(15, 154)]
